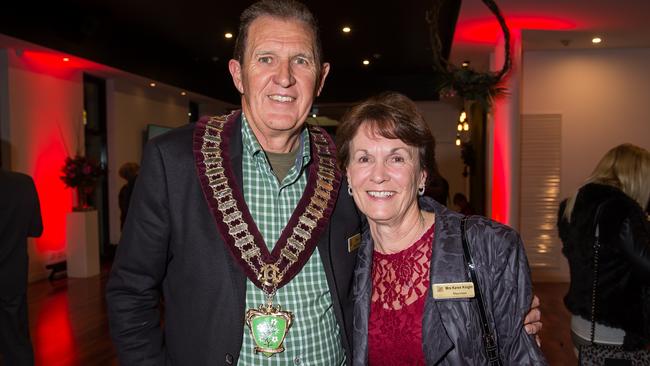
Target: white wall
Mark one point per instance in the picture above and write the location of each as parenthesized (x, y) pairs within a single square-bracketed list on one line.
[(131, 107), (442, 119), (603, 97)]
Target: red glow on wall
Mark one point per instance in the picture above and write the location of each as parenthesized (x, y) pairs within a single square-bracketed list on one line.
[(53, 339), (47, 108), (488, 30), (501, 169), (52, 63), (505, 112), (54, 197)]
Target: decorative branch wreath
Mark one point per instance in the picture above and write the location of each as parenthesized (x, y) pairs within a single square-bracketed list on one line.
[(465, 82)]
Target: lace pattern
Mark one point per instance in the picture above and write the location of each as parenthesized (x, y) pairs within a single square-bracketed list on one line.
[(399, 284)]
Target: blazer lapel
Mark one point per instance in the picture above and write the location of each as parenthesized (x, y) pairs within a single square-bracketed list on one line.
[(446, 266)]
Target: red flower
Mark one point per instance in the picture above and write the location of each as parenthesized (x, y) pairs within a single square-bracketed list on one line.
[(81, 172)]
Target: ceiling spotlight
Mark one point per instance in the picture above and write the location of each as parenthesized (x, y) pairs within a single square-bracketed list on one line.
[(152, 84), (66, 59), (366, 62), (183, 93), (228, 35), (346, 29), (596, 40)]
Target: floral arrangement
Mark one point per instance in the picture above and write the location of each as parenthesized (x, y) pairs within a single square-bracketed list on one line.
[(81, 172)]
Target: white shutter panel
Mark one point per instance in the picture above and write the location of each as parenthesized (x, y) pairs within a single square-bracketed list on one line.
[(540, 188)]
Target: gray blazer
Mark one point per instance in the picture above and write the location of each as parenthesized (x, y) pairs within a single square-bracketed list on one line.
[(450, 327)]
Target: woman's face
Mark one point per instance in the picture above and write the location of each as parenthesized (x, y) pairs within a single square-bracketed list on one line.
[(384, 175)]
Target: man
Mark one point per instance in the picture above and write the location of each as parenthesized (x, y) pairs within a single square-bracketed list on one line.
[(238, 221), (177, 241), (20, 217)]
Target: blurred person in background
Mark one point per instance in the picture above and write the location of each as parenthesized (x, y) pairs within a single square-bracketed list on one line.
[(460, 201), (613, 197), (20, 217)]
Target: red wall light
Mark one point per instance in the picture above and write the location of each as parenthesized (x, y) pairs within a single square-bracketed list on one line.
[(55, 64), (488, 30)]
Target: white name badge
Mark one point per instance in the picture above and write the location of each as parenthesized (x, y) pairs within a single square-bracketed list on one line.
[(455, 290)]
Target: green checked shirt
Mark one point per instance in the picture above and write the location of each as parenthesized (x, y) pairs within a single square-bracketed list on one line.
[(314, 337)]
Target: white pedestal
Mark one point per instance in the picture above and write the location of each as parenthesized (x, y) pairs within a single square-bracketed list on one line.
[(82, 244)]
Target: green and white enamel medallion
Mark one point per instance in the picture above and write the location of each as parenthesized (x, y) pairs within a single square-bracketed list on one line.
[(269, 326)]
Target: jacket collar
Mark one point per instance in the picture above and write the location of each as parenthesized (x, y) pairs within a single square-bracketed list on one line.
[(447, 265)]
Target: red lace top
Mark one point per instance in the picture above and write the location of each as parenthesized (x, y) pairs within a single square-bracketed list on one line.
[(399, 285)]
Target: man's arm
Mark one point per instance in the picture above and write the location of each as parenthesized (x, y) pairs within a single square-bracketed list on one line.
[(133, 289)]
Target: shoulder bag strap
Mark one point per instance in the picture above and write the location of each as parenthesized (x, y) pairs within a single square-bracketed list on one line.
[(489, 342), (595, 276)]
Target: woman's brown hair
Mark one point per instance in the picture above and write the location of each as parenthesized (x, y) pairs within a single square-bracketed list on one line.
[(393, 116)]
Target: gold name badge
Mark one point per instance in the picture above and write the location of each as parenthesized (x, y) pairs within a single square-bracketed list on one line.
[(354, 242), (455, 290)]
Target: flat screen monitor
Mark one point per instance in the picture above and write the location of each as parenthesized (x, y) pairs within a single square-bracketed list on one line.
[(155, 130)]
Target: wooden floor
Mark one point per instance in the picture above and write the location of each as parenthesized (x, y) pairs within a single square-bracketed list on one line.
[(69, 326)]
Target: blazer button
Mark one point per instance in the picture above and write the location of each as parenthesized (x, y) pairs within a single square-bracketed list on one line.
[(229, 359)]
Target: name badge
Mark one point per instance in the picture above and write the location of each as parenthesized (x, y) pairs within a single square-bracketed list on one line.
[(354, 242), (455, 290)]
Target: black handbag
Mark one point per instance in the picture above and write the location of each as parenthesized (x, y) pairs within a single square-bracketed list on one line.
[(595, 354), (489, 342)]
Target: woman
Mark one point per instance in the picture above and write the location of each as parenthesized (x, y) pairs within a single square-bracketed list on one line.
[(411, 244), (618, 189)]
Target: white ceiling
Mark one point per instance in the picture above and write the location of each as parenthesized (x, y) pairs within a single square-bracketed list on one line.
[(551, 24)]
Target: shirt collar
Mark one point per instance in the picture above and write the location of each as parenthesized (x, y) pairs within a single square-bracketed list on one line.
[(252, 146)]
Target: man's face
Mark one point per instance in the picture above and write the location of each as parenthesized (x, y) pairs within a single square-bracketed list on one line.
[(278, 76)]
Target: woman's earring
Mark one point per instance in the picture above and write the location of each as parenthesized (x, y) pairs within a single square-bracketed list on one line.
[(421, 191), (350, 190)]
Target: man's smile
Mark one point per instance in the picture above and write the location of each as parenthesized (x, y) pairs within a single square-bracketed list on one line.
[(281, 98)]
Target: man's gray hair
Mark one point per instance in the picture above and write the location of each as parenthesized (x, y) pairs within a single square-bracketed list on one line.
[(280, 9)]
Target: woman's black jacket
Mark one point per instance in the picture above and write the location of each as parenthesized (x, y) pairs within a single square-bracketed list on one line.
[(623, 299)]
